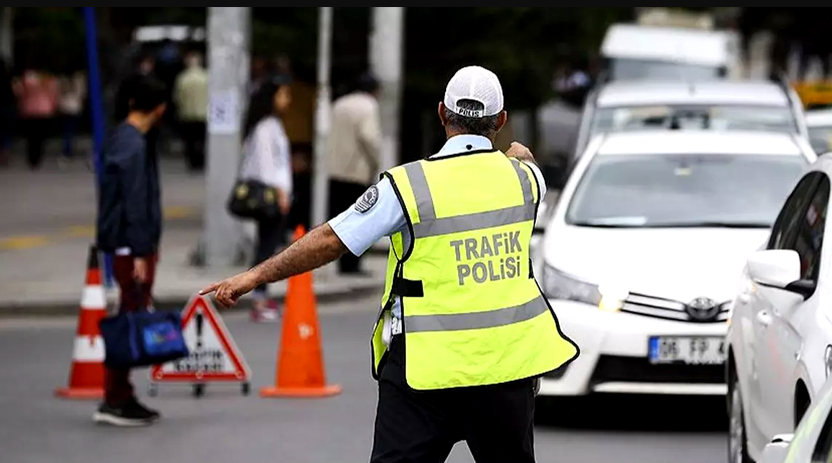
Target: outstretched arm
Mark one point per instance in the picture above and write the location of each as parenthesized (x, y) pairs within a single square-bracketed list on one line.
[(315, 249), (320, 247)]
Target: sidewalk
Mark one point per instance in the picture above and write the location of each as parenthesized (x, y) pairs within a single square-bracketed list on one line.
[(49, 280), (47, 226)]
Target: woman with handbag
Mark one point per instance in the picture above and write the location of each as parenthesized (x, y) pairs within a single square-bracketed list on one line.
[(266, 172)]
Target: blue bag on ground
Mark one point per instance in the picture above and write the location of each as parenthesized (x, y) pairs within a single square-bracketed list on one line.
[(142, 338)]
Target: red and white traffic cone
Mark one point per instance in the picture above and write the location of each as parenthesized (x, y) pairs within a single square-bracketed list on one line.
[(86, 377)]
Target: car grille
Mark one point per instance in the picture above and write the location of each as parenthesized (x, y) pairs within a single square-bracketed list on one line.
[(637, 369), (667, 309)]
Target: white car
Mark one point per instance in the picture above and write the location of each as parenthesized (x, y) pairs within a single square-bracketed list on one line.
[(780, 336), (636, 51), (714, 105), (812, 441), (643, 250)]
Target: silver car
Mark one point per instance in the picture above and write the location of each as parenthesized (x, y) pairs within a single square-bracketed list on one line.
[(715, 105)]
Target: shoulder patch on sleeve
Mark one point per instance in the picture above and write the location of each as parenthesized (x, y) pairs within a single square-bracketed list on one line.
[(367, 200)]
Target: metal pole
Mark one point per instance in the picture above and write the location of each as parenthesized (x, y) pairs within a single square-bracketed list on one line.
[(96, 114), (320, 193), (228, 72), (386, 50)]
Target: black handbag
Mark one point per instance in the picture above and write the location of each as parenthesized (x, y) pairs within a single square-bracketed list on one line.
[(253, 199)]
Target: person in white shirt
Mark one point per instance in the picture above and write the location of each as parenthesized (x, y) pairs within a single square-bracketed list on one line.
[(267, 158)]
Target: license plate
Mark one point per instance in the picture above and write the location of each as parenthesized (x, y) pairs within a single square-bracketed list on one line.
[(690, 350)]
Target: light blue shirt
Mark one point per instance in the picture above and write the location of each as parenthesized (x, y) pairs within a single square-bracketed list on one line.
[(360, 230)]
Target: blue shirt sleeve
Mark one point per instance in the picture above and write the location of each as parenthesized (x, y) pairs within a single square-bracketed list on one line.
[(360, 230)]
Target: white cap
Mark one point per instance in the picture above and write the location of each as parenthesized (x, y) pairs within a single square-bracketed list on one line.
[(478, 84)]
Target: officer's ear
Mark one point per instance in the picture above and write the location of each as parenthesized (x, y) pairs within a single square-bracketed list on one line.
[(502, 118), (442, 117)]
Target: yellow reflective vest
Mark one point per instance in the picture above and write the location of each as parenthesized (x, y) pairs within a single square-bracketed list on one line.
[(472, 311)]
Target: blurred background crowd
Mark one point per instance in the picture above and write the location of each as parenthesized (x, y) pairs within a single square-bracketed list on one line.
[(547, 59)]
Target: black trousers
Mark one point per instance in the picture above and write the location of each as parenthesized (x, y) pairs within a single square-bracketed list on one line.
[(35, 130), (270, 236), (423, 426), (343, 195), (193, 137)]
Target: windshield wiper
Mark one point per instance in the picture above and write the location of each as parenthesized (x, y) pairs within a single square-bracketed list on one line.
[(709, 224), (603, 224)]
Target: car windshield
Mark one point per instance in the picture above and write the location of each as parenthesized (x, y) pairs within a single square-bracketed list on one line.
[(637, 69), (742, 191), (710, 117)]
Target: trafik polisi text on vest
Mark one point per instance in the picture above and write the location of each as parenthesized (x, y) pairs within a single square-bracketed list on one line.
[(487, 258)]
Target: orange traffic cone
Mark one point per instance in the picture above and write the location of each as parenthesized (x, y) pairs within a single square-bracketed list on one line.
[(86, 377), (300, 369)]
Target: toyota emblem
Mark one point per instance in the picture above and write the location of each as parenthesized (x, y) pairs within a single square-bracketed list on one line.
[(702, 309)]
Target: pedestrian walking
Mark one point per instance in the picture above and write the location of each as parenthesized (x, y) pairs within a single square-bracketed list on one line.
[(464, 333), (37, 98), (145, 66), (353, 153), (73, 93), (130, 226), (191, 97), (267, 158), (8, 112)]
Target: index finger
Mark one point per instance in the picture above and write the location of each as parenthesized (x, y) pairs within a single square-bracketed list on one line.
[(209, 289)]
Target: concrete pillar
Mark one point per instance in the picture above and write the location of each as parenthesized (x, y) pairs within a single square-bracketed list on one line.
[(386, 50), (320, 187), (228, 59)]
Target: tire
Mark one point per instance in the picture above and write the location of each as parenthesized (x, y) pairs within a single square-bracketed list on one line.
[(737, 437)]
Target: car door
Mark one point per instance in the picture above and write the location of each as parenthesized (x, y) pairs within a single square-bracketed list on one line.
[(759, 306), (783, 335)]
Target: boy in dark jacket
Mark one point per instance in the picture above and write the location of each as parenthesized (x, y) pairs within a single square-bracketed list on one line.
[(129, 227)]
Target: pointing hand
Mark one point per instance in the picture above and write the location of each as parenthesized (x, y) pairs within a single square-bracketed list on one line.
[(519, 151), (227, 291)]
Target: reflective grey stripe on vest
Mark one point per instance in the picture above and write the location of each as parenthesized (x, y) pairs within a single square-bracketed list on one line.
[(477, 320), (429, 225)]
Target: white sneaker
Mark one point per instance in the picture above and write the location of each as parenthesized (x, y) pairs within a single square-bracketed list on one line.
[(267, 315)]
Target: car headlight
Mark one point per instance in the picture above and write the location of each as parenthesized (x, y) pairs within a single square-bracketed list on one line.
[(827, 360), (561, 286)]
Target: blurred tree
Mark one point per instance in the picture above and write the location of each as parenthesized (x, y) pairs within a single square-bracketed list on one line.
[(51, 38), (521, 44)]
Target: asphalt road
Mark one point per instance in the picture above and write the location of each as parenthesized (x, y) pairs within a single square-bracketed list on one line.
[(224, 426)]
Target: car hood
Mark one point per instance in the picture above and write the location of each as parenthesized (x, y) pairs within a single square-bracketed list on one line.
[(680, 264)]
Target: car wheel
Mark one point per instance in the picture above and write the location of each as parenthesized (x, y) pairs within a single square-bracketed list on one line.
[(737, 441)]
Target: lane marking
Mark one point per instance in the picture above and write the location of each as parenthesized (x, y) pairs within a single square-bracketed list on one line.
[(23, 242), (179, 212), (20, 242)]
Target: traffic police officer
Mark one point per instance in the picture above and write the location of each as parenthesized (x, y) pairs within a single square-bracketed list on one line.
[(463, 333)]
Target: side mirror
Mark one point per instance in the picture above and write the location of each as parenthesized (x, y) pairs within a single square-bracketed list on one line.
[(776, 450), (779, 268)]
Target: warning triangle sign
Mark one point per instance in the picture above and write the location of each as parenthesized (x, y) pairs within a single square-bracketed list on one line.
[(213, 354)]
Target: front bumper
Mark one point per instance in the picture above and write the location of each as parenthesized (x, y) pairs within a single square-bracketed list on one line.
[(614, 355)]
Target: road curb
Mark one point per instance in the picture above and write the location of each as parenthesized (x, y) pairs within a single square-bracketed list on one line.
[(174, 302)]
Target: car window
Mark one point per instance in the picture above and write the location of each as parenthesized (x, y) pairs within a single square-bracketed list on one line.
[(809, 238), (689, 190), (711, 117), (790, 212), (638, 69)]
